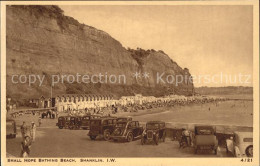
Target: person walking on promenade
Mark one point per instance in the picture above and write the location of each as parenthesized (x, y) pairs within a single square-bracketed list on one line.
[(25, 147), (40, 121), (33, 131), (23, 130)]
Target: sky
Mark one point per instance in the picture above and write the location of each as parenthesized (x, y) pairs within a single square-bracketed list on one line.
[(211, 41)]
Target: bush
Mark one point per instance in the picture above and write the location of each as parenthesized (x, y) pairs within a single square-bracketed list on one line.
[(139, 55)]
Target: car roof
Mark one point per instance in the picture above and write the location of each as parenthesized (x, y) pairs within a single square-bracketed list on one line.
[(124, 121), (155, 122), (204, 126), (103, 119), (244, 134)]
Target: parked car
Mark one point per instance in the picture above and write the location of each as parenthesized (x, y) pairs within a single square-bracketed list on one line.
[(154, 131), (102, 127), (223, 136), (63, 122), (241, 144), (127, 130), (205, 138), (10, 128), (85, 121), (75, 122)]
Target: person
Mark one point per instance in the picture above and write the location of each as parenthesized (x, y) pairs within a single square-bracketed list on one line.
[(186, 137), (25, 147), (33, 131), (49, 113), (23, 130), (40, 121), (52, 115)]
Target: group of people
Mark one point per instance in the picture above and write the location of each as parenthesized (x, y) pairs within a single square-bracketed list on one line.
[(28, 137), (186, 138), (99, 111), (49, 114), (157, 104), (136, 107)]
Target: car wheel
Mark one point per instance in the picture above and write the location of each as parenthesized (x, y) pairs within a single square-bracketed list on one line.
[(164, 136), (249, 151), (92, 137), (60, 127), (130, 137), (106, 135), (216, 151)]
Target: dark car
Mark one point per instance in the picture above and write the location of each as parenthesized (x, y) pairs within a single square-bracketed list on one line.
[(10, 128), (75, 122), (205, 138), (85, 121), (127, 130), (154, 131), (63, 122), (102, 127)]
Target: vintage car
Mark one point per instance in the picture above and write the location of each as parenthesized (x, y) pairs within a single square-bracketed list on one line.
[(241, 144), (10, 128), (127, 130), (75, 122), (85, 121), (63, 122), (154, 131), (102, 127), (205, 138)]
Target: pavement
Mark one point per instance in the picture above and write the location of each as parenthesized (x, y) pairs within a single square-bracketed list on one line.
[(54, 142)]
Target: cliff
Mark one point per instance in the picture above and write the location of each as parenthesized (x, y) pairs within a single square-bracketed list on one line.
[(42, 40)]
